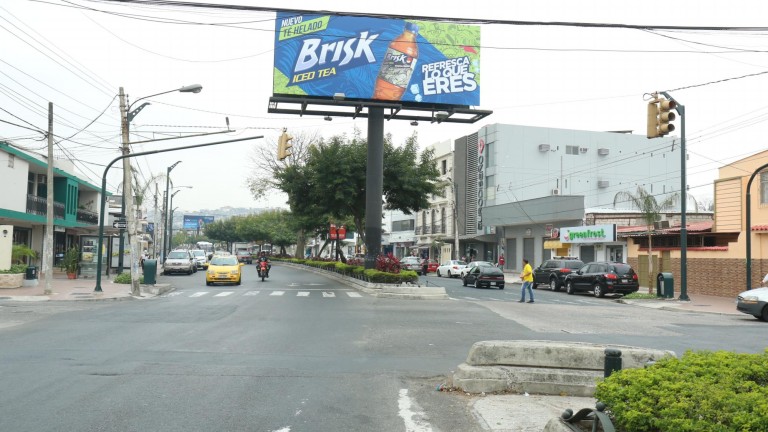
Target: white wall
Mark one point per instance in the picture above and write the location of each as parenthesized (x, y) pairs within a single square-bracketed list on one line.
[(13, 183)]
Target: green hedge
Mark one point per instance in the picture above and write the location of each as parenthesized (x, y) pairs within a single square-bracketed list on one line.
[(700, 392), (358, 272), (15, 269), (125, 278)]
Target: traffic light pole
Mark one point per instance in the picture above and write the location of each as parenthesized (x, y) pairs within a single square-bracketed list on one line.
[(103, 198), (683, 203)]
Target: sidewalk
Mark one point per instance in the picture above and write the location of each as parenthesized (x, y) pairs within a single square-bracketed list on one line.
[(78, 289), (697, 302)]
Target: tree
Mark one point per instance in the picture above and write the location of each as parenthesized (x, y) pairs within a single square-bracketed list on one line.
[(651, 210), (332, 182)]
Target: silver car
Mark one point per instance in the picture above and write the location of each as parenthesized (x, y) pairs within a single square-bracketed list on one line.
[(754, 302), (179, 261), (411, 263)]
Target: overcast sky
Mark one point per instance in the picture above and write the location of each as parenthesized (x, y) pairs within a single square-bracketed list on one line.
[(78, 53)]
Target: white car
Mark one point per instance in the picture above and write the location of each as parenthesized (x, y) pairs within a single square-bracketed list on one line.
[(451, 268), (754, 302), (472, 265), (200, 258)]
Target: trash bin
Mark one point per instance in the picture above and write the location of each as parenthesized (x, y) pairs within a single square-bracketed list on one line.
[(665, 285), (150, 271), (31, 273)]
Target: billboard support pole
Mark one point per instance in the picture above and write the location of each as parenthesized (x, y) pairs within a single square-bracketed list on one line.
[(374, 185)]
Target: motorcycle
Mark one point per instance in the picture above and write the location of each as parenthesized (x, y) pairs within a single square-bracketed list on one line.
[(263, 270)]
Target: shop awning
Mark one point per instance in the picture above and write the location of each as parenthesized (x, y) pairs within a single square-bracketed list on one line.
[(553, 244)]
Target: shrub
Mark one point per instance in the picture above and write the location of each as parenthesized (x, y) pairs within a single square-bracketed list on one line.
[(15, 269), (388, 263), (702, 391), (125, 278)]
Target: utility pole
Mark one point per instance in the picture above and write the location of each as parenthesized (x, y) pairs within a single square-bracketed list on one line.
[(154, 224), (48, 244), (128, 197)]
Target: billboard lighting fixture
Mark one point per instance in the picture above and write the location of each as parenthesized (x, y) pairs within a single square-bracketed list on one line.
[(441, 115), (327, 118), (414, 123), (338, 96)]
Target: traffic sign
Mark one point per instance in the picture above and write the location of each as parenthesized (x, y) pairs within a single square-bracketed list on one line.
[(120, 225)]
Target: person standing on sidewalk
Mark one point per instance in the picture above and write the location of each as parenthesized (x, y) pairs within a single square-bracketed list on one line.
[(527, 278), (501, 262)]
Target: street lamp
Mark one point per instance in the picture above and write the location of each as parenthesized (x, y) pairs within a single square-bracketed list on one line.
[(126, 115), (170, 226), (165, 204), (170, 218)]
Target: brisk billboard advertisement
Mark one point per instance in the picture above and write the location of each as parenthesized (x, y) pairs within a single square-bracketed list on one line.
[(421, 62), (193, 222)]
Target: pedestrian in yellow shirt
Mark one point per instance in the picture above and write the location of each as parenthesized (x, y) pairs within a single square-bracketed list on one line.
[(527, 277)]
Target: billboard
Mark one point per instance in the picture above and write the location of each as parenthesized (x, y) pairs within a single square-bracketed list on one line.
[(422, 62), (192, 222)]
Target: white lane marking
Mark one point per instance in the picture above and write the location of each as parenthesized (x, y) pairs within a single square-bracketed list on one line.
[(413, 417), (329, 294), (277, 293), (354, 294), (174, 294), (314, 284), (302, 294), (199, 294), (251, 293), (293, 284), (285, 429), (224, 294), (471, 298)]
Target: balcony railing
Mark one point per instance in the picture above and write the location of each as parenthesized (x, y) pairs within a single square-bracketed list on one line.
[(88, 217), (37, 205)]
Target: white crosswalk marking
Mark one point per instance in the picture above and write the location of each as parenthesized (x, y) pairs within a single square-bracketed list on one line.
[(353, 294), (329, 294), (277, 293), (199, 294), (302, 294), (224, 294), (251, 293)]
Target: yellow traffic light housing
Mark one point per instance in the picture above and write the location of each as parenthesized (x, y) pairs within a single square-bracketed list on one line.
[(660, 116), (283, 144), (666, 116)]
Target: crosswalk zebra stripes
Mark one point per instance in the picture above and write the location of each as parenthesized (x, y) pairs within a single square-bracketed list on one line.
[(275, 293)]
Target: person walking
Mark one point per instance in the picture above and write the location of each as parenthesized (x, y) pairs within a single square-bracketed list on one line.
[(527, 278), (501, 262), (424, 266)]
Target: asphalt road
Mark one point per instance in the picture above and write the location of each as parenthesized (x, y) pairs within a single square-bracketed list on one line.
[(297, 352)]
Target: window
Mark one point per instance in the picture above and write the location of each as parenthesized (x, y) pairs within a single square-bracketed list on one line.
[(764, 187), (403, 225), (488, 155), (11, 160), (572, 150), (490, 187), (31, 189), (444, 166), (442, 220)]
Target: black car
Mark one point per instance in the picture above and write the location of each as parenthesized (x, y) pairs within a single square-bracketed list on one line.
[(603, 278), (484, 275), (552, 272)]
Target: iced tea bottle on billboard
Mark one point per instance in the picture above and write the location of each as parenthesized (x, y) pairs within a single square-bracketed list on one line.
[(398, 64)]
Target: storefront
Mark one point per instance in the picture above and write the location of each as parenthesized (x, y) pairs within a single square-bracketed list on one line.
[(589, 243)]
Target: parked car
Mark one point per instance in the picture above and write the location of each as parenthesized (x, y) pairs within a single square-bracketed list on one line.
[(200, 259), (602, 278), (432, 266), (754, 302), (483, 274), (179, 261), (224, 269), (411, 263), (451, 268), (469, 267), (553, 271)]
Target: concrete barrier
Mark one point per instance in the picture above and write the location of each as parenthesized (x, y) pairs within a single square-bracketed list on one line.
[(543, 367)]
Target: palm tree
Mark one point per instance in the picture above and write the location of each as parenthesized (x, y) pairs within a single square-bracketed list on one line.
[(651, 210)]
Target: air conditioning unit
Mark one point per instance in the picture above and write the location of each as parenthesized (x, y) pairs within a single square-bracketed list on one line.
[(583, 149), (603, 151), (41, 178), (543, 147), (555, 191), (661, 224), (603, 183)]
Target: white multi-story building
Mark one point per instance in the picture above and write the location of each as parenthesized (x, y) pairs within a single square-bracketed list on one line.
[(516, 184)]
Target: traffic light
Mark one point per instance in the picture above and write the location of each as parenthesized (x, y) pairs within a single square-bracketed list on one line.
[(659, 116), (666, 116), (653, 119), (283, 144)]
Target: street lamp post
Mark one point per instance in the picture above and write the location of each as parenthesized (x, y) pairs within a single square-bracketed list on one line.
[(170, 226), (165, 204), (170, 218), (126, 115)]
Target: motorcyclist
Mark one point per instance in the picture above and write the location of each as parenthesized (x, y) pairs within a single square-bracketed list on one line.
[(264, 258)]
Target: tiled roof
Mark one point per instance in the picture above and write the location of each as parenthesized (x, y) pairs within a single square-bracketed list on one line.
[(696, 227), (759, 227)]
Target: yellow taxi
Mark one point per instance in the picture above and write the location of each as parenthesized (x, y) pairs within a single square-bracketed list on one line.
[(224, 269)]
